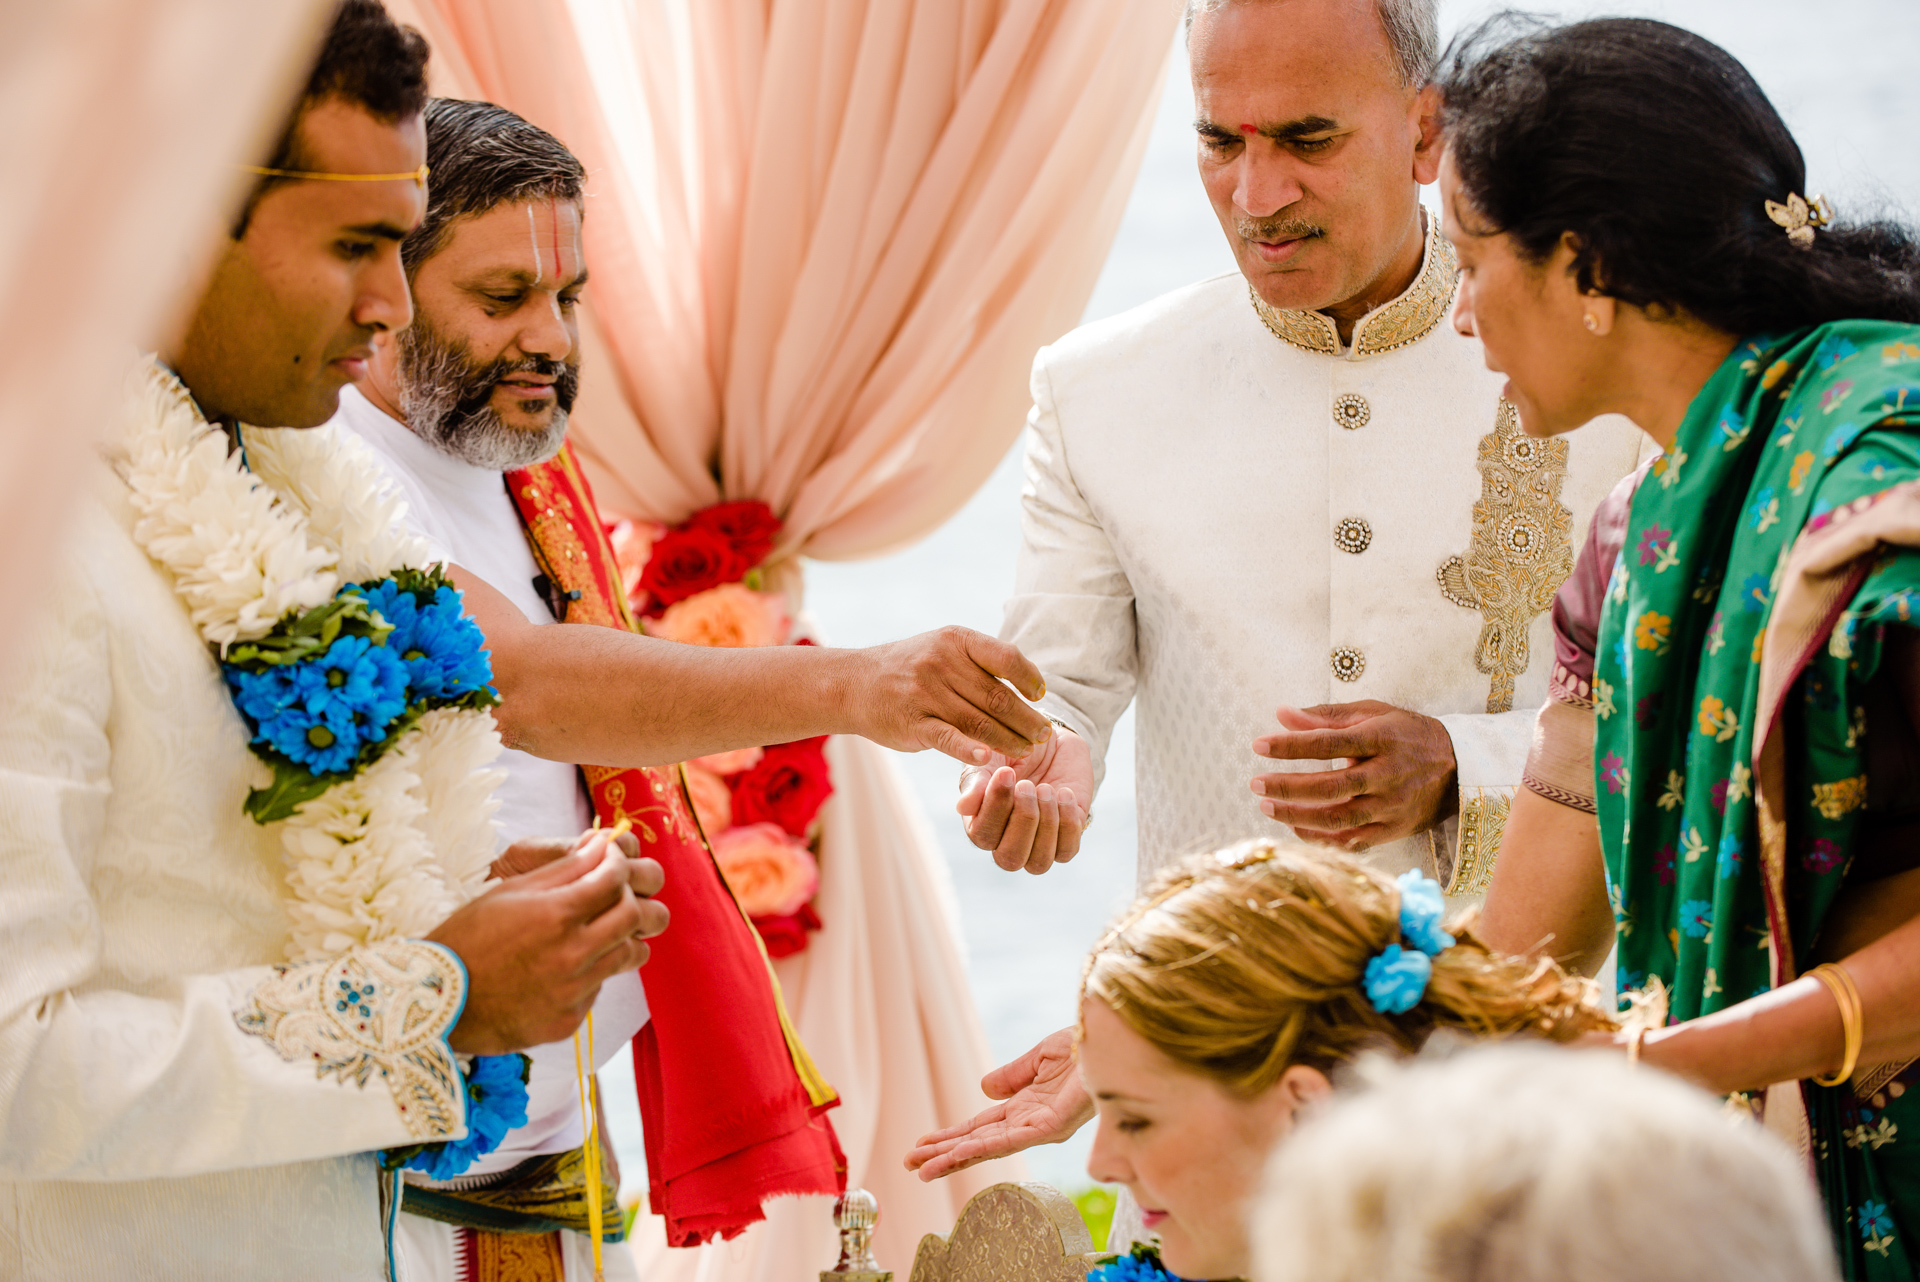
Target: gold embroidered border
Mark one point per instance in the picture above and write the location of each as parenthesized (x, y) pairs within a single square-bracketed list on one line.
[(1404, 321), (1483, 821), (1521, 549), (383, 1009)]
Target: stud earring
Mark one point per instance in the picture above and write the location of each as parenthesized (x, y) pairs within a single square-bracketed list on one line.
[(1593, 323)]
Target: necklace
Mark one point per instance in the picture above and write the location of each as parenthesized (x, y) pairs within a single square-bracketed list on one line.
[(364, 685)]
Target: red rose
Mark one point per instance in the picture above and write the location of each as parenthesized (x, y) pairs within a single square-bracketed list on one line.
[(748, 525), (686, 562), (785, 936), (787, 787)]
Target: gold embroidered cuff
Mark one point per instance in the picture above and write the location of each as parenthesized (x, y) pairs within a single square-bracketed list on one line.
[(1483, 818), (1560, 763), (383, 1008)]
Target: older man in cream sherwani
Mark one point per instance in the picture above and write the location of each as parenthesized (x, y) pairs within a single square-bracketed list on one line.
[(1293, 485)]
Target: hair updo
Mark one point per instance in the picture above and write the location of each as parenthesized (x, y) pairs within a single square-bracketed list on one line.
[(1239, 964), (1657, 150)]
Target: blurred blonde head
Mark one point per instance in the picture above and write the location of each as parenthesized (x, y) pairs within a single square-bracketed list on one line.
[(1528, 1165), (1240, 964)]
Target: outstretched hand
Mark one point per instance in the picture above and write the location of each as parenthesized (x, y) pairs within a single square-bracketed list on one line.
[(954, 690), (1044, 1103), (1030, 813), (1398, 780)]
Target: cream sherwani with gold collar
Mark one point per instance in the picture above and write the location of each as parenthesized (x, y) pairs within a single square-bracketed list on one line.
[(1227, 510)]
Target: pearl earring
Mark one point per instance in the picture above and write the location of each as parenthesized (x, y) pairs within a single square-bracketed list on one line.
[(1593, 323)]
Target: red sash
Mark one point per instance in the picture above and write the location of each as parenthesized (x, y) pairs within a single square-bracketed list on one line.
[(734, 1109)]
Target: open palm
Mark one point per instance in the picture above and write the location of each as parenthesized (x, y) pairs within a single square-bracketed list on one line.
[(1042, 1102)]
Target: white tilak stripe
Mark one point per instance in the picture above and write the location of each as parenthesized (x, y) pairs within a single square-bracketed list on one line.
[(533, 237)]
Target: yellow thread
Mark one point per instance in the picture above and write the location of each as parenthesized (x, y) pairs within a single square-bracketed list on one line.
[(589, 1122), (417, 175), (589, 1109)]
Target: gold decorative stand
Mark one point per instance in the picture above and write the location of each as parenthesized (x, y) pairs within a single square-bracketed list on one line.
[(854, 1215)]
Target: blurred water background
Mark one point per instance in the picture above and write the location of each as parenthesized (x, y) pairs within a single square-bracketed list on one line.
[(1842, 74)]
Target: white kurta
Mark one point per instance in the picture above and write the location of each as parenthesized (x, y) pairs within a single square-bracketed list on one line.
[(143, 1133), (1219, 521)]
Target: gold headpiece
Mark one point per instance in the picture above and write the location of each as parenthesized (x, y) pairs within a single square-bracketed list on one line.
[(417, 175), (1800, 217)]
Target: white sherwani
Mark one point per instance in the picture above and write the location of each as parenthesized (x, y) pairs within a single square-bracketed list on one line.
[(1226, 512), (144, 1132)]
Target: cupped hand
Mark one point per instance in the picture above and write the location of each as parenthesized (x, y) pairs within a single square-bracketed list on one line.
[(1398, 780), (1030, 813), (1043, 1103), (538, 945), (953, 690)]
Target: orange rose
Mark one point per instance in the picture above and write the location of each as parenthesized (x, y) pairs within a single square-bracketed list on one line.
[(732, 615), (712, 799), (772, 873), (730, 763)]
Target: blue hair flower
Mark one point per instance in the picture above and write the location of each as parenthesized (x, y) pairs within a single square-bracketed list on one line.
[(1422, 905), (1397, 978), (444, 650), (496, 1103), (1142, 1264)]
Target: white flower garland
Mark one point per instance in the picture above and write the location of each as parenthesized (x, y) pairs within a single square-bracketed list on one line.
[(390, 851)]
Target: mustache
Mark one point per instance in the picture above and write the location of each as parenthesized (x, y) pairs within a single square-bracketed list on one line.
[(478, 383), (1272, 229)]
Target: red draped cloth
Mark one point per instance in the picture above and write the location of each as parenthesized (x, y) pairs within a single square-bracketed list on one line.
[(733, 1107)]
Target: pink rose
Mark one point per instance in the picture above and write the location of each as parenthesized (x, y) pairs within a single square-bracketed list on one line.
[(772, 874), (730, 763), (732, 615), (712, 799)]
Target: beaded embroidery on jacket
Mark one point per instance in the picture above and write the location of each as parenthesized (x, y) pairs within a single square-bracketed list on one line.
[(384, 854)]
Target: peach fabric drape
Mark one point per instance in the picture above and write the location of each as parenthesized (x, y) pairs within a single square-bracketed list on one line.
[(126, 120), (827, 236)]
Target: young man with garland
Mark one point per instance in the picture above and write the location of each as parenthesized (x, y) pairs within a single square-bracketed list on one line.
[(468, 408), (247, 970)]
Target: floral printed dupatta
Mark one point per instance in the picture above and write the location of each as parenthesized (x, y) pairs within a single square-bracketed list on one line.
[(1789, 433)]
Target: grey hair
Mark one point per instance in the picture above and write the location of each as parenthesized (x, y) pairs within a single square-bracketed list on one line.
[(1534, 1164), (1412, 26), (482, 156)]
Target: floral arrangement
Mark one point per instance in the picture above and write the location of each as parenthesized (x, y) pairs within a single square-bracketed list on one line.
[(701, 582), (364, 686)]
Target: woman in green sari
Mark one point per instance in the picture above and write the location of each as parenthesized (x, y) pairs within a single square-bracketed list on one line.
[(1724, 784)]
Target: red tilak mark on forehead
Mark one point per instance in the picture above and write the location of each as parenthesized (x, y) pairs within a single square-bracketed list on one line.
[(1248, 130), (553, 212)]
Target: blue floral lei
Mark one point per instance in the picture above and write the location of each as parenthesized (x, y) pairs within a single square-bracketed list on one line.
[(329, 689)]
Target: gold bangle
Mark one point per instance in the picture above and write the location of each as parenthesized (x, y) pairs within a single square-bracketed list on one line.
[(1852, 1022)]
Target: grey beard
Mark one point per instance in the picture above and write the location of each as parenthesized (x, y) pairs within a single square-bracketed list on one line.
[(436, 398)]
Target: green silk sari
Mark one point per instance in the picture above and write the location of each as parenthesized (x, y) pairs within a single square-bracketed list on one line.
[(1789, 431)]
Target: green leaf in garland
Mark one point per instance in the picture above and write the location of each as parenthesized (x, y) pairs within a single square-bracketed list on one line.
[(304, 635), (293, 786)]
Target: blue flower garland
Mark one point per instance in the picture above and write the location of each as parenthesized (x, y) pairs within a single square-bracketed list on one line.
[(330, 689), (496, 1103)]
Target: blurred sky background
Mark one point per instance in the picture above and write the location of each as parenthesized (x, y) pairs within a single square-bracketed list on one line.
[(1842, 74)]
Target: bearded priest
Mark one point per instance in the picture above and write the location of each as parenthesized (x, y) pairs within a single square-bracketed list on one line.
[(469, 411), (1297, 488), (250, 967)]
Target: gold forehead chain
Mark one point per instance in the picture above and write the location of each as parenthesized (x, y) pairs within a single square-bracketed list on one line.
[(417, 175)]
